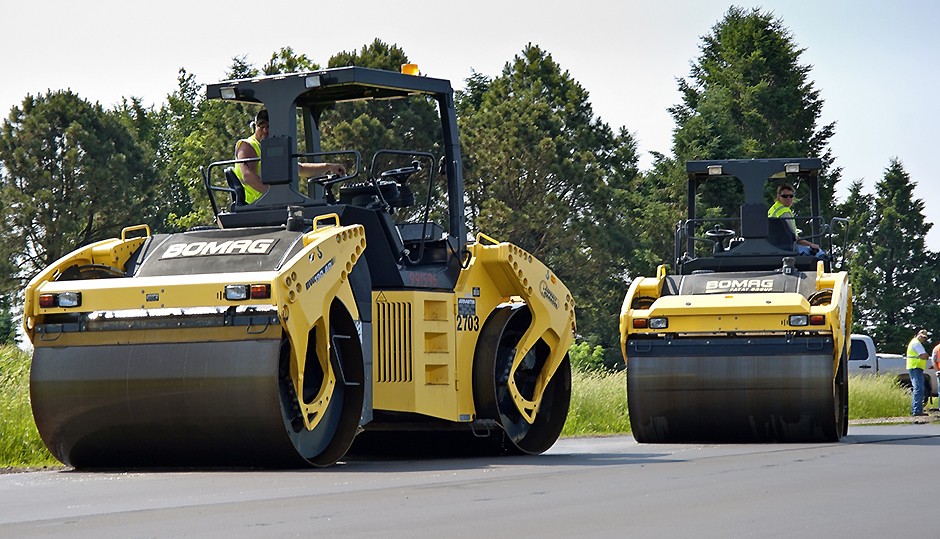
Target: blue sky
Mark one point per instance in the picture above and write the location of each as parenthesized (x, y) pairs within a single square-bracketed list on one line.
[(874, 62)]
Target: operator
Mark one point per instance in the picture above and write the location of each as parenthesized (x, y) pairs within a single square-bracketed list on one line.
[(916, 363), (781, 210), (250, 147)]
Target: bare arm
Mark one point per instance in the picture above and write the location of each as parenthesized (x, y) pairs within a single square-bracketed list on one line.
[(313, 170), (250, 170), (799, 240)]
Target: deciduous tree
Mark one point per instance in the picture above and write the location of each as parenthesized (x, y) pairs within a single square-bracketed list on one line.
[(73, 173)]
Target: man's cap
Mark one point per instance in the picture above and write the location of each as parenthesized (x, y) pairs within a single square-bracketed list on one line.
[(923, 333)]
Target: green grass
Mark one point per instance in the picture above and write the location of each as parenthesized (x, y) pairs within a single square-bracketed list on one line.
[(20, 445), (877, 396), (598, 404), (598, 407)]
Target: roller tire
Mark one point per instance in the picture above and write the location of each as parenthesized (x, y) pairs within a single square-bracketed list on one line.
[(492, 363), (326, 443)]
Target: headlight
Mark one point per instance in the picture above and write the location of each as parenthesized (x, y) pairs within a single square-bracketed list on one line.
[(799, 320), (659, 323), (240, 292)]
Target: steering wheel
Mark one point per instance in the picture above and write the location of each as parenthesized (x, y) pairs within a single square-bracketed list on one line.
[(719, 234), (401, 175)]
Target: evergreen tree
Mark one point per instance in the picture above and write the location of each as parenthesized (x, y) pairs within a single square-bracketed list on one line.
[(891, 270), (544, 173), (7, 321), (748, 96)]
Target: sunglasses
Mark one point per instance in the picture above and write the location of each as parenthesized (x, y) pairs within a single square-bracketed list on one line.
[(787, 196)]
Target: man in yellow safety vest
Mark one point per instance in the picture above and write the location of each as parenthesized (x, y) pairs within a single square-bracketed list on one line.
[(249, 173), (916, 363), (781, 210)]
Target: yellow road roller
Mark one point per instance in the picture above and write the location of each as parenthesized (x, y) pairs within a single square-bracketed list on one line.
[(317, 313), (747, 339)]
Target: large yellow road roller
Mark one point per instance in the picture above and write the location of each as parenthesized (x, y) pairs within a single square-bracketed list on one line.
[(746, 340), (310, 316)]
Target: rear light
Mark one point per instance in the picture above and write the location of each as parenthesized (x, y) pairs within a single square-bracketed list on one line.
[(62, 299), (260, 291), (639, 323), (241, 292), (799, 320), (817, 320)]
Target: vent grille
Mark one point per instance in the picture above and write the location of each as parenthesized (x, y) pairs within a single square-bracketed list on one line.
[(394, 350)]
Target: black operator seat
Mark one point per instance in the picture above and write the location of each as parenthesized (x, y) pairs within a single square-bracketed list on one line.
[(236, 186), (780, 235)]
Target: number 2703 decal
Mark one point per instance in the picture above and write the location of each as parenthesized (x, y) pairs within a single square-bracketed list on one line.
[(468, 323)]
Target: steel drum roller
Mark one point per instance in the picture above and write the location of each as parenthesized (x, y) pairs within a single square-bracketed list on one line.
[(731, 389), (201, 403)]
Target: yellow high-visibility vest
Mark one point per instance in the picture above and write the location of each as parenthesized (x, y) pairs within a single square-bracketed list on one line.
[(779, 211), (913, 358), (251, 194)]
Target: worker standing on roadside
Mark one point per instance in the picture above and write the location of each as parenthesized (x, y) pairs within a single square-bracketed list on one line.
[(916, 363)]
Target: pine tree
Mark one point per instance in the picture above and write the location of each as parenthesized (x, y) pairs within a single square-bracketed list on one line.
[(748, 96), (892, 271), (543, 172), (73, 174)]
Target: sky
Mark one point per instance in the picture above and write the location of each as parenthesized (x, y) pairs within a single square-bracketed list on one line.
[(873, 62)]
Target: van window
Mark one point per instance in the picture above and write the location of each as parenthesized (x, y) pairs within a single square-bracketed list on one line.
[(859, 350)]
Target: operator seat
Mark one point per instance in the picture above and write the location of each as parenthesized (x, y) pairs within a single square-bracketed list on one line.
[(238, 190), (780, 235)]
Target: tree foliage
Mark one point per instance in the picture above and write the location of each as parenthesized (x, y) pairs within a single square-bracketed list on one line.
[(73, 173), (748, 96), (893, 274), (543, 172), (7, 322), (410, 124)]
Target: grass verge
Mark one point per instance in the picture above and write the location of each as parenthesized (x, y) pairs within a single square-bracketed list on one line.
[(877, 396), (20, 445), (598, 404)]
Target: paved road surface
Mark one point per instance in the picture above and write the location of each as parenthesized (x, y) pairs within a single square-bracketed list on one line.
[(865, 486)]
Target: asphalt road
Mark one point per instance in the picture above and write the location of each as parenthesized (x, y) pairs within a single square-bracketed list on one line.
[(875, 483)]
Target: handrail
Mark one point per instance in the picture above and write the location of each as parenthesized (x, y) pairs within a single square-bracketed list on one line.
[(212, 189)]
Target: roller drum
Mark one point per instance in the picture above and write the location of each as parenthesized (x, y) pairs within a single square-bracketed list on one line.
[(167, 404), (732, 390)]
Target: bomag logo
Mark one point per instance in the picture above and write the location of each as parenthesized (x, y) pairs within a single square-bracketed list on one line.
[(548, 294), (740, 285), (211, 248)]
